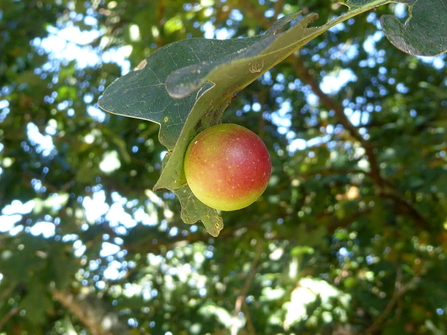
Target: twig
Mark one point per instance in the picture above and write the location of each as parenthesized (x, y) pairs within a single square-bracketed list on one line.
[(99, 317), (405, 206), (399, 291), (254, 265), (240, 300), (9, 315), (245, 310), (8, 290)]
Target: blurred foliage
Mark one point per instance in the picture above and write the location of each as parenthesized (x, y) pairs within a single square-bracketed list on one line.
[(349, 238)]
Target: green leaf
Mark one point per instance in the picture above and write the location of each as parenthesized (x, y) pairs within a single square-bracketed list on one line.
[(193, 211), (424, 33), (21, 264), (355, 5), (36, 304), (397, 327)]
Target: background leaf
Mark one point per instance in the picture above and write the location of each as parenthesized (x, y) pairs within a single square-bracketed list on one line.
[(424, 33)]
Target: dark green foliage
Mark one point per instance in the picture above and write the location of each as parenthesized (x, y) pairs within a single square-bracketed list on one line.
[(353, 221)]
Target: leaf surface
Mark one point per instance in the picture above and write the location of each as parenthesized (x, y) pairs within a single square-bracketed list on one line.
[(424, 33), (193, 211)]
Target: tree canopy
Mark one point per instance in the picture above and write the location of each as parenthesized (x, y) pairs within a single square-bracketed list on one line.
[(350, 236)]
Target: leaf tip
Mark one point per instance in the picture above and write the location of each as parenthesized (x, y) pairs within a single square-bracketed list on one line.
[(214, 227)]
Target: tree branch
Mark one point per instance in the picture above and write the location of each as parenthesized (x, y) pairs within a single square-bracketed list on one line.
[(240, 300), (8, 315), (338, 109), (382, 189), (94, 313), (3, 298), (399, 291)]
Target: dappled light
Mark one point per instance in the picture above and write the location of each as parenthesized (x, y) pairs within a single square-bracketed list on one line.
[(350, 235)]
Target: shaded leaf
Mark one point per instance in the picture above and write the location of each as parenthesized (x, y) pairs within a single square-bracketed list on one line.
[(424, 33), (36, 304)]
